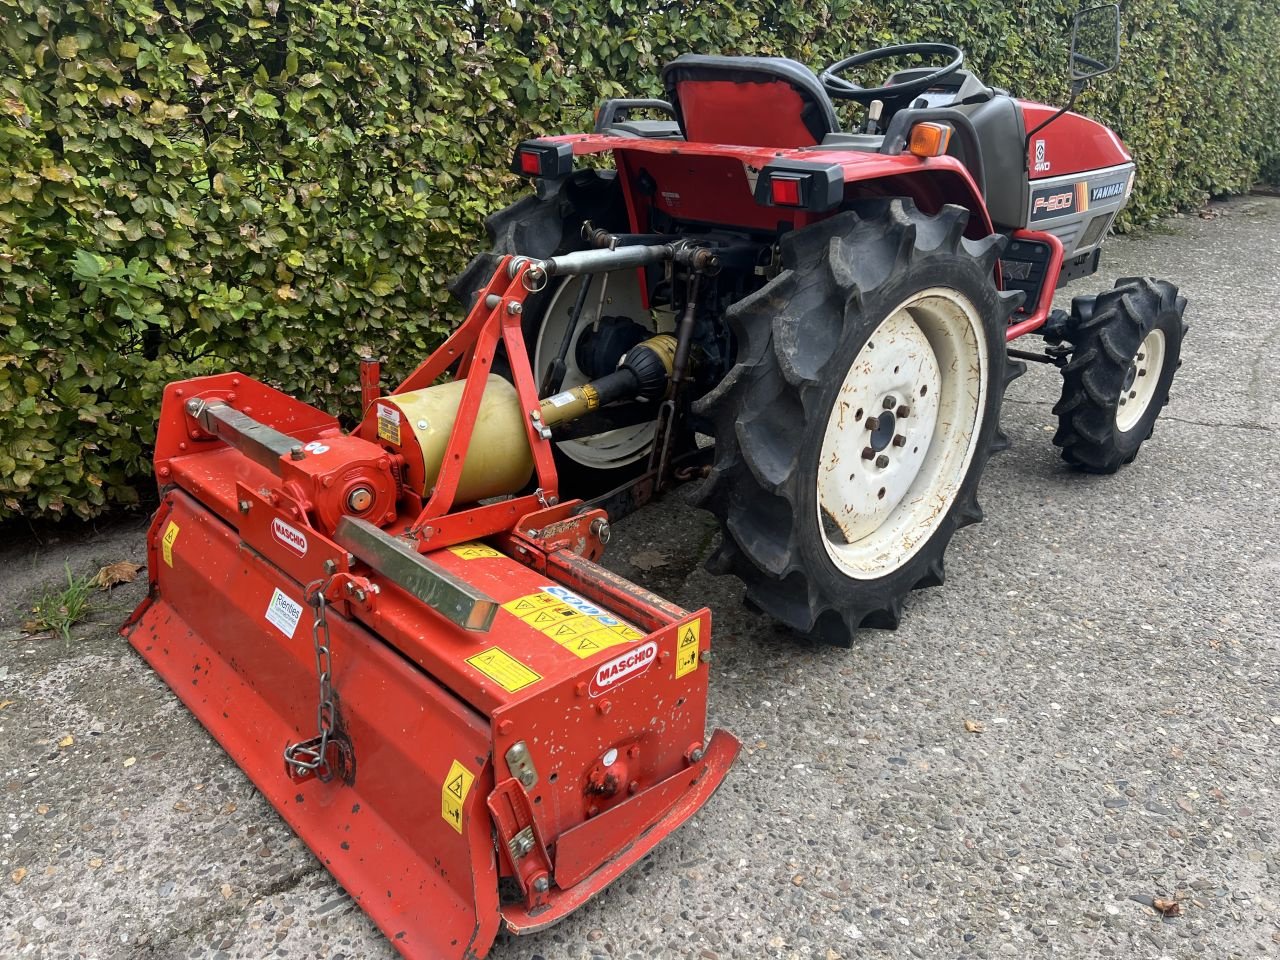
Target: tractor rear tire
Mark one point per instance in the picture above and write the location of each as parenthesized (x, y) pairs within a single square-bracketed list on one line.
[(1127, 346), (878, 353)]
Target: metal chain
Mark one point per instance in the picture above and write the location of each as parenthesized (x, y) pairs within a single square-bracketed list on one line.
[(301, 756)]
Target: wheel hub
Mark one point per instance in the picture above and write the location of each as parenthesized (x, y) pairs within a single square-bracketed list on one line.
[(1140, 381), (901, 433), (882, 429)]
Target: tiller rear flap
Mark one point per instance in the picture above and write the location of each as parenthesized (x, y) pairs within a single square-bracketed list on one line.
[(470, 722)]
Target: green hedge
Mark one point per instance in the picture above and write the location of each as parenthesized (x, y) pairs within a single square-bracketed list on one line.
[(273, 185)]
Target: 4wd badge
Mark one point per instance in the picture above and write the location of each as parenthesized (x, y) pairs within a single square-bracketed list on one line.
[(1042, 165)]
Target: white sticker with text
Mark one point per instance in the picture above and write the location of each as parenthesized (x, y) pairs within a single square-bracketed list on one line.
[(284, 612)]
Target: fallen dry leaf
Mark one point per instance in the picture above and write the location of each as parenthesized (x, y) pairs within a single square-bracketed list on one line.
[(130, 761), (96, 862), (973, 726), (42, 808), (122, 571), (649, 560), (798, 880), (18, 874), (67, 741), (226, 891), (7, 703), (1170, 908), (32, 626)]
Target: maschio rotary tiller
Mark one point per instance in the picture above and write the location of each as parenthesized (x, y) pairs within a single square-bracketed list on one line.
[(495, 726)]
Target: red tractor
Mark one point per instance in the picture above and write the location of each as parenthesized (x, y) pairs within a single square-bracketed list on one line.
[(847, 349), (400, 632)]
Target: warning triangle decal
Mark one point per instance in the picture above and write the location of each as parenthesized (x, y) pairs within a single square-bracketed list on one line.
[(455, 786)]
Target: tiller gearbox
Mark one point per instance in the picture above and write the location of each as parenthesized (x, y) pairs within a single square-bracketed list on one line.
[(401, 634)]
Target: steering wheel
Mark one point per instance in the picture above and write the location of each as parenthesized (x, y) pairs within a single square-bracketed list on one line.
[(841, 89)]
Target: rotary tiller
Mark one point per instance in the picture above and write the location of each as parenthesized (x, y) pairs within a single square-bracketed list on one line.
[(468, 734)]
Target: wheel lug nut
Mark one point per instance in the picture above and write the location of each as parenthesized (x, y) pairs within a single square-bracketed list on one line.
[(1142, 373), (903, 412), (873, 423), (882, 461), (867, 453), (1132, 394), (899, 441), (1142, 356), (890, 403)]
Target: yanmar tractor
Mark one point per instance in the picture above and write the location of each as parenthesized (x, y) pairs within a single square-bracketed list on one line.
[(400, 631)]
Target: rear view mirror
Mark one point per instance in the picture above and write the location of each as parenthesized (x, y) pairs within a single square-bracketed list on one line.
[(1095, 42)]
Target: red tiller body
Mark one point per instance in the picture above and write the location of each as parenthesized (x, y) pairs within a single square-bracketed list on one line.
[(551, 736)]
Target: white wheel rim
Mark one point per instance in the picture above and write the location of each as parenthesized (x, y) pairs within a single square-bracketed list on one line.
[(928, 356), (1140, 381), (614, 448)]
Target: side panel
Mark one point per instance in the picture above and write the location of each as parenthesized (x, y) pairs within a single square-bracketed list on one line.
[(1077, 208), (1070, 144)]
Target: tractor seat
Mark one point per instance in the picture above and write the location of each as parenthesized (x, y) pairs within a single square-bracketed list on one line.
[(748, 101)]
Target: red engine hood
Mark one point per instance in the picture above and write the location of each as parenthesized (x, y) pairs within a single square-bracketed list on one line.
[(1071, 144)]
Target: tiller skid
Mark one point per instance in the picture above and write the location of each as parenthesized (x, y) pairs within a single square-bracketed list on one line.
[(401, 635)]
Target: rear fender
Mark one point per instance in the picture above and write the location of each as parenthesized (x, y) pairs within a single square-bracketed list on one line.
[(930, 190)]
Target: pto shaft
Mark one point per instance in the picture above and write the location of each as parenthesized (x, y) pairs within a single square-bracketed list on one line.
[(643, 373)]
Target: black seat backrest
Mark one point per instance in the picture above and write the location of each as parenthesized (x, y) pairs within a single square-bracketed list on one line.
[(748, 101)]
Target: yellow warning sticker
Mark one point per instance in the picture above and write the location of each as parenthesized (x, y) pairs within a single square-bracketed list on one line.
[(389, 424), (592, 643), (523, 606), (166, 542), (504, 669), (566, 630), (453, 793), (687, 643), (545, 618), (577, 625), (473, 551)]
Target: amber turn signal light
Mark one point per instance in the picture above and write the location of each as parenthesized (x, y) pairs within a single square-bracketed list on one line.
[(929, 139)]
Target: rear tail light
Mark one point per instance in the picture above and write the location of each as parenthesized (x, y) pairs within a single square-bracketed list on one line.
[(785, 191), (800, 184), (540, 158), (530, 162)]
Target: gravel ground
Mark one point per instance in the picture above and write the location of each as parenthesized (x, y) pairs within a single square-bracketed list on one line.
[(1115, 639)]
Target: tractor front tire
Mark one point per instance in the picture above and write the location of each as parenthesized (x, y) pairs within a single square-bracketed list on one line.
[(1126, 347), (852, 431)]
